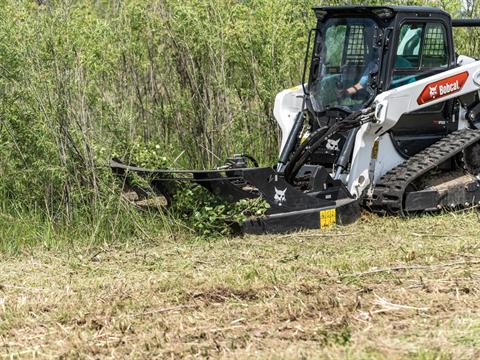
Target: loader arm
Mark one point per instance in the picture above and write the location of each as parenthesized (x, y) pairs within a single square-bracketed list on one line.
[(391, 105)]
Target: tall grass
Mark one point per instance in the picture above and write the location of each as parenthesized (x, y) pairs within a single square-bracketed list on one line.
[(82, 80)]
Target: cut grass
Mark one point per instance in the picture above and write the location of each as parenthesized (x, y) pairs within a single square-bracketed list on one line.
[(316, 294)]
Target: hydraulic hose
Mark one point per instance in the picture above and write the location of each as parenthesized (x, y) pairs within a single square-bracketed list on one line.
[(295, 158), (317, 138)]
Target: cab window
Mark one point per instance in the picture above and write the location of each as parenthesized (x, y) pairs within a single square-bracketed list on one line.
[(422, 50), (335, 40)]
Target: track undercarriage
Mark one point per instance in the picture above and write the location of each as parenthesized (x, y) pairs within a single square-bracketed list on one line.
[(420, 183)]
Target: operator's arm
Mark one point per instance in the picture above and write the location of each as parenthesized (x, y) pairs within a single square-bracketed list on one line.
[(358, 86), (362, 83)]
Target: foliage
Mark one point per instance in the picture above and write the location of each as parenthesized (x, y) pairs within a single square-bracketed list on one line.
[(208, 216), (211, 217)]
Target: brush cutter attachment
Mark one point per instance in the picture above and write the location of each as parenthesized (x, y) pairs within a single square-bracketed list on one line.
[(326, 202)]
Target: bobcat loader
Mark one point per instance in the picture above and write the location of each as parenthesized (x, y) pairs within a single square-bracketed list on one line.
[(387, 118)]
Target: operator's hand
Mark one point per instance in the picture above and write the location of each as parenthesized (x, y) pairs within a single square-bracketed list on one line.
[(341, 93), (351, 90)]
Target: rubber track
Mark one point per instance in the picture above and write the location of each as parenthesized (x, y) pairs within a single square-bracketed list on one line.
[(389, 192)]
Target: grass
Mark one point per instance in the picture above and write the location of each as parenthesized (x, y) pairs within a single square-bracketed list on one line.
[(316, 294)]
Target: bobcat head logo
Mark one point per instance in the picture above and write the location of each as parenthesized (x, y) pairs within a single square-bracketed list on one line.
[(433, 91), (332, 144), (279, 197)]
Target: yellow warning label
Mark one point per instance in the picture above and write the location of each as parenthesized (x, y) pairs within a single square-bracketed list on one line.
[(328, 218)]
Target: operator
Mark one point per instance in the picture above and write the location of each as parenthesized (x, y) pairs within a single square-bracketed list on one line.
[(361, 84), (398, 80)]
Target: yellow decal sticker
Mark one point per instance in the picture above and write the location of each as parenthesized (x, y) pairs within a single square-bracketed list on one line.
[(328, 218)]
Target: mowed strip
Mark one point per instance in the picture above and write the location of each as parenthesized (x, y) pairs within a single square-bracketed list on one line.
[(381, 288)]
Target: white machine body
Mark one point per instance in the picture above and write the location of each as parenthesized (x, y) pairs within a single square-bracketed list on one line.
[(390, 105)]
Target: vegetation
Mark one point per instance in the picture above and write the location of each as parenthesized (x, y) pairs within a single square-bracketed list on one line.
[(383, 288), (168, 83), (188, 82)]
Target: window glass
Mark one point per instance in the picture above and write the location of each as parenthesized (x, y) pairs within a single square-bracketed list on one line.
[(347, 57), (334, 44), (408, 51)]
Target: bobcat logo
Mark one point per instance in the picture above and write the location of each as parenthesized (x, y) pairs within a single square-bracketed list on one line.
[(433, 91), (332, 144), (279, 197)]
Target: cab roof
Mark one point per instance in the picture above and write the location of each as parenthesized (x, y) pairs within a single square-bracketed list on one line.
[(321, 11)]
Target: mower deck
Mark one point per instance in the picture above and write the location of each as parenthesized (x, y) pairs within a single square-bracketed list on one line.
[(291, 209), (343, 212)]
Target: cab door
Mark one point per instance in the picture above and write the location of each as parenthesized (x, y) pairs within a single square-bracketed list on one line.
[(423, 49)]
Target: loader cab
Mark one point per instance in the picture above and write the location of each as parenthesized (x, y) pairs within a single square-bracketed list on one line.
[(374, 49), (423, 41), (347, 51)]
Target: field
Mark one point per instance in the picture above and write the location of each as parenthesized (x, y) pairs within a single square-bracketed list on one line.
[(381, 288), (185, 84)]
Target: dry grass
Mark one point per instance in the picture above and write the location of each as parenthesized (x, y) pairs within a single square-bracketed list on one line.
[(312, 295)]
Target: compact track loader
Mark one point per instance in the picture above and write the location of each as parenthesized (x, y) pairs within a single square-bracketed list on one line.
[(387, 118)]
